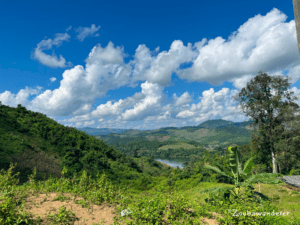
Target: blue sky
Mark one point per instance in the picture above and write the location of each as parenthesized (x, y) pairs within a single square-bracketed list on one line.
[(137, 65)]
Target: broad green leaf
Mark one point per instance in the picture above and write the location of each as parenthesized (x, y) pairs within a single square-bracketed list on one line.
[(217, 170), (234, 159), (248, 166)]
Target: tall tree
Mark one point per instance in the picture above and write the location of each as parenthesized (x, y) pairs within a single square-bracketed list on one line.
[(257, 101), (289, 141)]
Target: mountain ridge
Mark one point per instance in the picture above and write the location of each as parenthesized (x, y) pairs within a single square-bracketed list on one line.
[(218, 133), (207, 124)]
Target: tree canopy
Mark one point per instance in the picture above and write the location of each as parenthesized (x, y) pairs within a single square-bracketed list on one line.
[(262, 100)]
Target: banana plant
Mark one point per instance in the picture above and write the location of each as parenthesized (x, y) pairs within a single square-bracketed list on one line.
[(241, 173)]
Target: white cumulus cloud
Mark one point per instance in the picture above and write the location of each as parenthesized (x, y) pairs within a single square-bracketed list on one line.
[(263, 43), (7, 98), (185, 98)]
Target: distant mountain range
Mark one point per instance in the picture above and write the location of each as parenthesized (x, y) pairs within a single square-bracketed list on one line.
[(218, 132), (207, 124), (100, 131)]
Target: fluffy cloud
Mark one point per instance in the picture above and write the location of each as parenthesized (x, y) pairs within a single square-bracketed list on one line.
[(51, 60), (148, 106), (144, 104), (72, 95), (212, 105), (80, 86), (263, 43), (185, 98), (166, 63), (7, 98), (84, 32), (105, 56)]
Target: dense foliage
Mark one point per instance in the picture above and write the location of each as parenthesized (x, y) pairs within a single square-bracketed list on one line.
[(33, 140), (269, 110)]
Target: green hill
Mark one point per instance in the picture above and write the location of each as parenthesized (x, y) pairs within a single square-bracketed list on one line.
[(211, 134), (31, 139)]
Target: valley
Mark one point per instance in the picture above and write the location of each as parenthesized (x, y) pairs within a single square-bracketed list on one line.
[(159, 175), (212, 135)]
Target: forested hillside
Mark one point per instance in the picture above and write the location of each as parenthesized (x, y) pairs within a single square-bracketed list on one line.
[(31, 139), (163, 142)]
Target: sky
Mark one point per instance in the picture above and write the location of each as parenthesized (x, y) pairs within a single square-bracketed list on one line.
[(142, 64)]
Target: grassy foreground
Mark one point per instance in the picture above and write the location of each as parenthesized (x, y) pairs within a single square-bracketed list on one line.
[(81, 201)]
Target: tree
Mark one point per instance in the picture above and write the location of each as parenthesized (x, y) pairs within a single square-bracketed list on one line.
[(289, 141), (257, 101)]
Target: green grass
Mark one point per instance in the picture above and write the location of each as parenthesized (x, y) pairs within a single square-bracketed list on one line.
[(288, 199), (181, 203)]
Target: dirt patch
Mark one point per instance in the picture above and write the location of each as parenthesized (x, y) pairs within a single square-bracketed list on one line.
[(44, 205), (85, 213)]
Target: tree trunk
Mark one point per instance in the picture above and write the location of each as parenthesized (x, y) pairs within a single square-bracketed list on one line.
[(273, 153), (274, 162)]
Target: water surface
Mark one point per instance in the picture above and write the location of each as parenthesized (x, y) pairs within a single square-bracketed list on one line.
[(173, 161)]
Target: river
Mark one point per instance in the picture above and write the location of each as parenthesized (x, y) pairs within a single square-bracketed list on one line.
[(174, 161)]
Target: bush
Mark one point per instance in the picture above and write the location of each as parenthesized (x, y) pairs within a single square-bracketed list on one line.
[(294, 172)]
